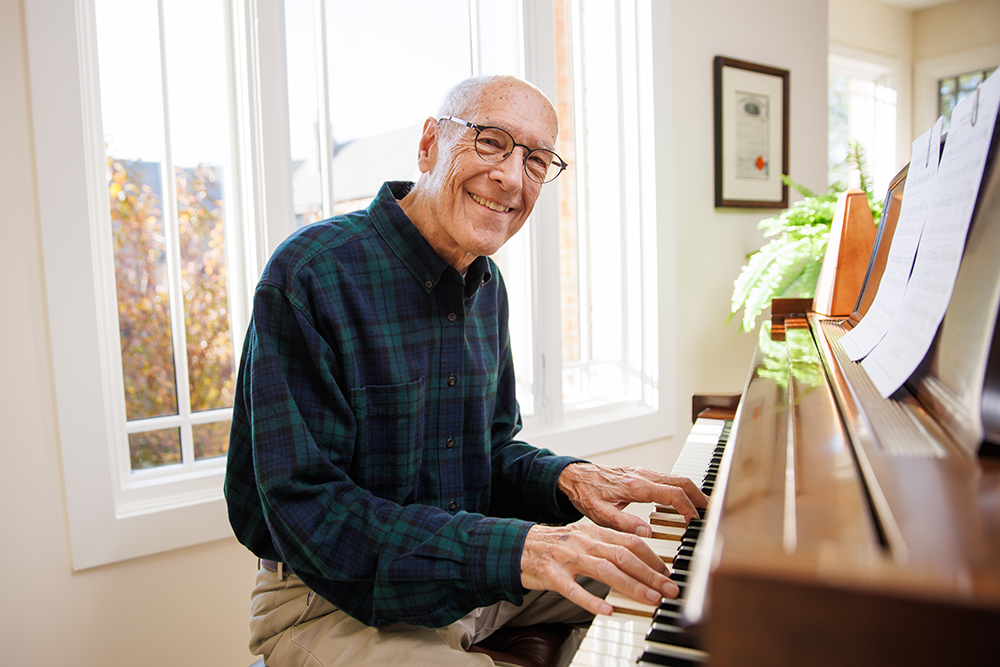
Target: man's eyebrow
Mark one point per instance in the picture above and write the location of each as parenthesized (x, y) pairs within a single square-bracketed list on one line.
[(510, 131)]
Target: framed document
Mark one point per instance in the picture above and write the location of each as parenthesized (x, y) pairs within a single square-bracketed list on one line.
[(751, 134)]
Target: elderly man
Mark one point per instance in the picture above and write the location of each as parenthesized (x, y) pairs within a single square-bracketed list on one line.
[(374, 466)]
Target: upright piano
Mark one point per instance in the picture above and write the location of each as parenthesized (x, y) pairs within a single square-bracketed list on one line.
[(846, 528)]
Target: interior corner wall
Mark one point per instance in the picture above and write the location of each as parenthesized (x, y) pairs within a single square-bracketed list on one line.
[(702, 248)]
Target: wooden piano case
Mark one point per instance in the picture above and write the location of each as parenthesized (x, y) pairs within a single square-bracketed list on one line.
[(848, 529)]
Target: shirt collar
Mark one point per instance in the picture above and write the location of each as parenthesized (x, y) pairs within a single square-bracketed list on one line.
[(412, 249)]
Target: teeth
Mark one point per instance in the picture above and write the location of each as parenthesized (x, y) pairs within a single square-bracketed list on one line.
[(490, 204)]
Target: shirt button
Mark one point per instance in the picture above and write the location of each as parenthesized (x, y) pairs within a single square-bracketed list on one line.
[(449, 443), (452, 317), (452, 381), (428, 284), (452, 505)]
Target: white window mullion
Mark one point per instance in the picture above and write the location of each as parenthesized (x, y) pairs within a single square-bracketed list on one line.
[(539, 60), (175, 278), (474, 52), (242, 241), (626, 175), (581, 169), (323, 120)]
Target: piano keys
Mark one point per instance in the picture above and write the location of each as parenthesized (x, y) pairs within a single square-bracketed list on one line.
[(643, 634)]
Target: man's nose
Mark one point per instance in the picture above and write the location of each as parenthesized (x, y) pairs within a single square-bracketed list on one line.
[(510, 171)]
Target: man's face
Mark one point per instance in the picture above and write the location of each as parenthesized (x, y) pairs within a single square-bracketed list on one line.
[(477, 205)]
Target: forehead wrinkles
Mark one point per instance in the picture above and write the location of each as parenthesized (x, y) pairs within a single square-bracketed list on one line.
[(520, 110)]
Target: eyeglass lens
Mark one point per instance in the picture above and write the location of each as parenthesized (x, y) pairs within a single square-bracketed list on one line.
[(494, 145)]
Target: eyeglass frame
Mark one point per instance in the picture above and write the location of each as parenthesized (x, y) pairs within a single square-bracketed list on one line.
[(558, 161)]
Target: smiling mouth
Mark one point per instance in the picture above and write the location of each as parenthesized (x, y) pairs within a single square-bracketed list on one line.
[(489, 204)]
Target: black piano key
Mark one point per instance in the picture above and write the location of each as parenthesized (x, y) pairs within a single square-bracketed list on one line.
[(673, 637), (678, 577), (669, 605), (682, 564), (648, 658), (667, 616)]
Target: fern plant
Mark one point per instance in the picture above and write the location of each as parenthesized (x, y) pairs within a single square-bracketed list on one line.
[(789, 265)]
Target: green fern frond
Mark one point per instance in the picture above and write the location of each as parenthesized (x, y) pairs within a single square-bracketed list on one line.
[(856, 154), (785, 270), (753, 272), (802, 190)]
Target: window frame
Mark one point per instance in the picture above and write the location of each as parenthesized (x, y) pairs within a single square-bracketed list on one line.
[(106, 526), (884, 71), (114, 516)]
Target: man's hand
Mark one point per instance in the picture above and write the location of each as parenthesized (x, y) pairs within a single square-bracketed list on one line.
[(602, 492), (554, 556)]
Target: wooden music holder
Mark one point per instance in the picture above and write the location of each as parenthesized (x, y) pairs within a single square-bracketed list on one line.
[(852, 237)]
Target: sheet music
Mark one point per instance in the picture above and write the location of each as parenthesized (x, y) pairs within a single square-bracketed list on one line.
[(924, 158), (939, 253)]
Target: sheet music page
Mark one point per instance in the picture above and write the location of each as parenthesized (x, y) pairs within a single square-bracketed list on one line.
[(939, 252), (924, 156)]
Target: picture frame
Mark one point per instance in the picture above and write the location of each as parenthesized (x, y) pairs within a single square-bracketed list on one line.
[(751, 134)]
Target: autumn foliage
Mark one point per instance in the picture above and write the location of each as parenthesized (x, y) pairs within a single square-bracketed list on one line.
[(141, 239)]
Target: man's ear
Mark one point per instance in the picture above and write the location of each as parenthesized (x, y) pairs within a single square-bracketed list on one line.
[(428, 146)]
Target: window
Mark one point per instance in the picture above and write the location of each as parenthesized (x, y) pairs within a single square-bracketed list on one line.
[(584, 352), (946, 76), (173, 154), (862, 108), (168, 216), (954, 89), (147, 121)]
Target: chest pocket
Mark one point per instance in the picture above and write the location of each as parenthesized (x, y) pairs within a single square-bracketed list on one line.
[(390, 438)]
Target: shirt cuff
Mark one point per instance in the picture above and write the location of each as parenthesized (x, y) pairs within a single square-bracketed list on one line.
[(548, 476), (495, 563)]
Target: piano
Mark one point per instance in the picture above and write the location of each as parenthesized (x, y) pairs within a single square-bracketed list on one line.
[(844, 528)]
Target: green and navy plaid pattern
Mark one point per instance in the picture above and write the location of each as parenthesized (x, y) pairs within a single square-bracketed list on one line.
[(373, 446)]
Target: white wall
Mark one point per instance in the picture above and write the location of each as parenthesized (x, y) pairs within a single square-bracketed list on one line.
[(189, 607)]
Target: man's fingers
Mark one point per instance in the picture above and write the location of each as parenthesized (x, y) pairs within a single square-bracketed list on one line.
[(554, 557), (578, 595), (601, 492)]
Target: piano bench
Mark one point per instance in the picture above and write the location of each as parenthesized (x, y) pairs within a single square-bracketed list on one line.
[(531, 646)]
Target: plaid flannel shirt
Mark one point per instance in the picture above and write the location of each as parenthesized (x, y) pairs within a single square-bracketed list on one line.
[(373, 445)]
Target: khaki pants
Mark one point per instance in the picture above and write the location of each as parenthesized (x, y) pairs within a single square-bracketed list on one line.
[(291, 626)]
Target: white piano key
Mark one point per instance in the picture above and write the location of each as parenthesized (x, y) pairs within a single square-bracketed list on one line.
[(626, 605), (619, 640), (674, 533)]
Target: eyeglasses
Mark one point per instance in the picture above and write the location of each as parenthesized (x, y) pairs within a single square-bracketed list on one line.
[(495, 145)]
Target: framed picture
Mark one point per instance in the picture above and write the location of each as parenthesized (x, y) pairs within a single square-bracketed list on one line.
[(751, 134)]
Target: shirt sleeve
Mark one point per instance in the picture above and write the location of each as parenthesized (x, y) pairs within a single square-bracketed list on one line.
[(377, 560), (524, 477)]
